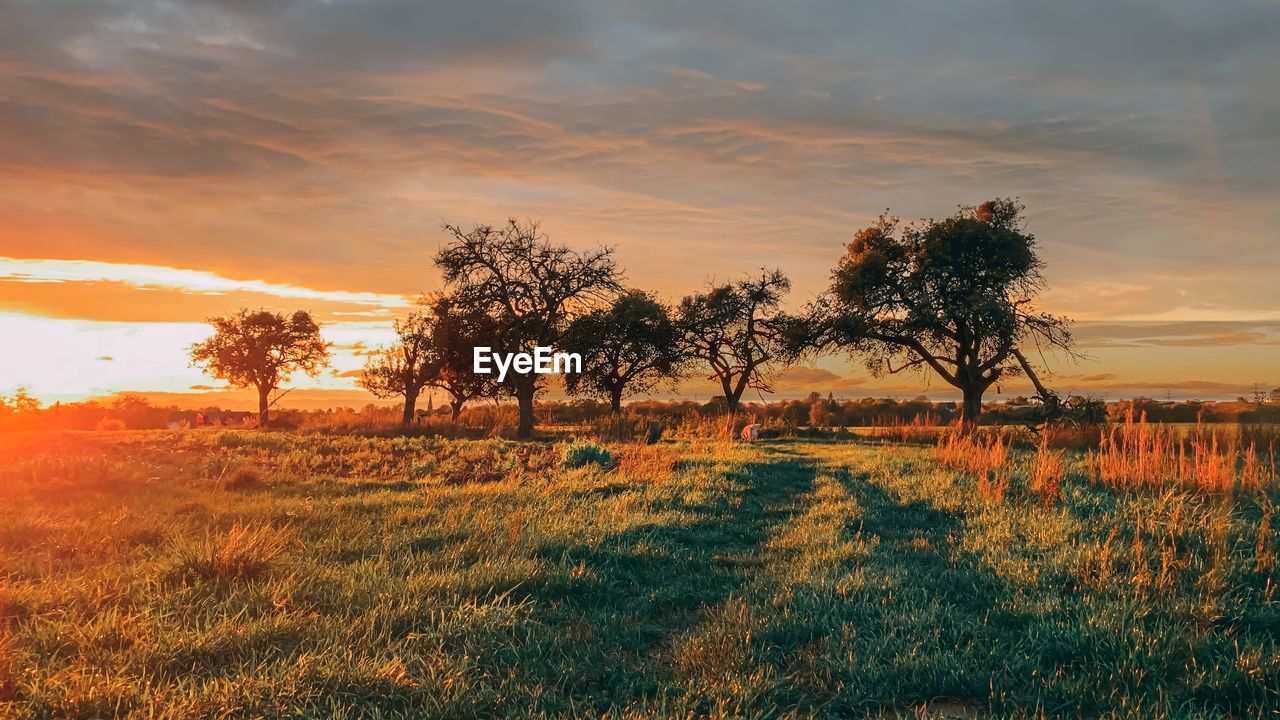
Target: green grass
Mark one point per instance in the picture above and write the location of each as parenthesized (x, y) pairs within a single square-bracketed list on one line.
[(240, 574)]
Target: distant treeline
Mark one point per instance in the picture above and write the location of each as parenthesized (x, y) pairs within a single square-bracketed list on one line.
[(136, 412)]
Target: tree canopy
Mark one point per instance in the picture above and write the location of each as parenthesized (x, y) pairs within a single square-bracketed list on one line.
[(261, 349), (626, 348), (954, 296), (529, 287), (455, 330), (739, 332), (404, 368)]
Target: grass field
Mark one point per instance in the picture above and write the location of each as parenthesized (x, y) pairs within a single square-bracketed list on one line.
[(242, 574)]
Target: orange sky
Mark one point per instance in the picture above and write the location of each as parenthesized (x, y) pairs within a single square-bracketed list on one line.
[(163, 162)]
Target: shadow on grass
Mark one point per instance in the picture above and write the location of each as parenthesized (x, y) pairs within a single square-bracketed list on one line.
[(910, 620), (648, 584)]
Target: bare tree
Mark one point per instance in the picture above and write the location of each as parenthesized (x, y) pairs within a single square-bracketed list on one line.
[(739, 332), (530, 287), (261, 349), (406, 367)]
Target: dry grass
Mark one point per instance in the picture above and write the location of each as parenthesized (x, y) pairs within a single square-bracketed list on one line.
[(243, 553), (700, 579), (1047, 472), (921, 429), (641, 462), (242, 478), (985, 459), (1137, 454)]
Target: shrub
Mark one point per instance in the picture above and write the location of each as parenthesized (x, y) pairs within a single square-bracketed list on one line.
[(580, 454)]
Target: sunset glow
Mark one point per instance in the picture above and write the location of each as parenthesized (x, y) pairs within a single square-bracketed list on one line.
[(161, 164)]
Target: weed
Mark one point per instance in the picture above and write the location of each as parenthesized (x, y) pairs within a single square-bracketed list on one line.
[(581, 454)]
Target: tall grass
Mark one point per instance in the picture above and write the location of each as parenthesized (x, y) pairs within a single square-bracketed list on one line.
[(1137, 454), (1047, 471), (920, 429), (985, 458), (244, 553)]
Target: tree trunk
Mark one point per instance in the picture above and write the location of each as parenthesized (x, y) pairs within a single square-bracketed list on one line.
[(410, 405), (972, 407), (264, 396), (615, 399), (455, 410), (732, 397), (524, 396), (731, 403)]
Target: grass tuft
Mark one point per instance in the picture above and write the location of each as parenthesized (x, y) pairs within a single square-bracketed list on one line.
[(244, 553), (243, 478)]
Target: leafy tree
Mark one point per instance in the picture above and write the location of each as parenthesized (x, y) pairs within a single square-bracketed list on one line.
[(954, 296), (626, 348), (739, 332), (455, 331), (20, 402), (405, 368), (260, 349), (530, 287)]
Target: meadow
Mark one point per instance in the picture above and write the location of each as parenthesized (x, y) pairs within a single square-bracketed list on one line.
[(242, 574)]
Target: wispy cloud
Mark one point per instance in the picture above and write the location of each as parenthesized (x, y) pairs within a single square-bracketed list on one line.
[(191, 281), (185, 157)]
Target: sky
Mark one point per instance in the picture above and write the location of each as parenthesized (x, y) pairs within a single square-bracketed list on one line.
[(162, 161)]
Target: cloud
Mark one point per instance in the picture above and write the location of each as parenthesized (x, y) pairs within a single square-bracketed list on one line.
[(192, 281), (1100, 377), (1179, 334), (163, 160)]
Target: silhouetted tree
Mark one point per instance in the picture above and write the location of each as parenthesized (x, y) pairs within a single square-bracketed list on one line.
[(738, 330), (404, 368), (260, 349), (530, 287), (455, 331), (626, 348), (952, 295)]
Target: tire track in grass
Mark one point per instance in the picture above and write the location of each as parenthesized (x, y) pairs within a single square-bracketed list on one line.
[(859, 604)]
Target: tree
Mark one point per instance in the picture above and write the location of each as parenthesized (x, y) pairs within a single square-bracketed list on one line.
[(625, 348), (954, 296), (738, 330), (403, 369), (20, 402), (261, 349), (531, 288), (455, 331)]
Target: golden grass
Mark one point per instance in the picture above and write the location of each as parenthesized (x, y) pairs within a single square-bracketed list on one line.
[(244, 553), (1137, 454), (985, 459), (1048, 471)]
